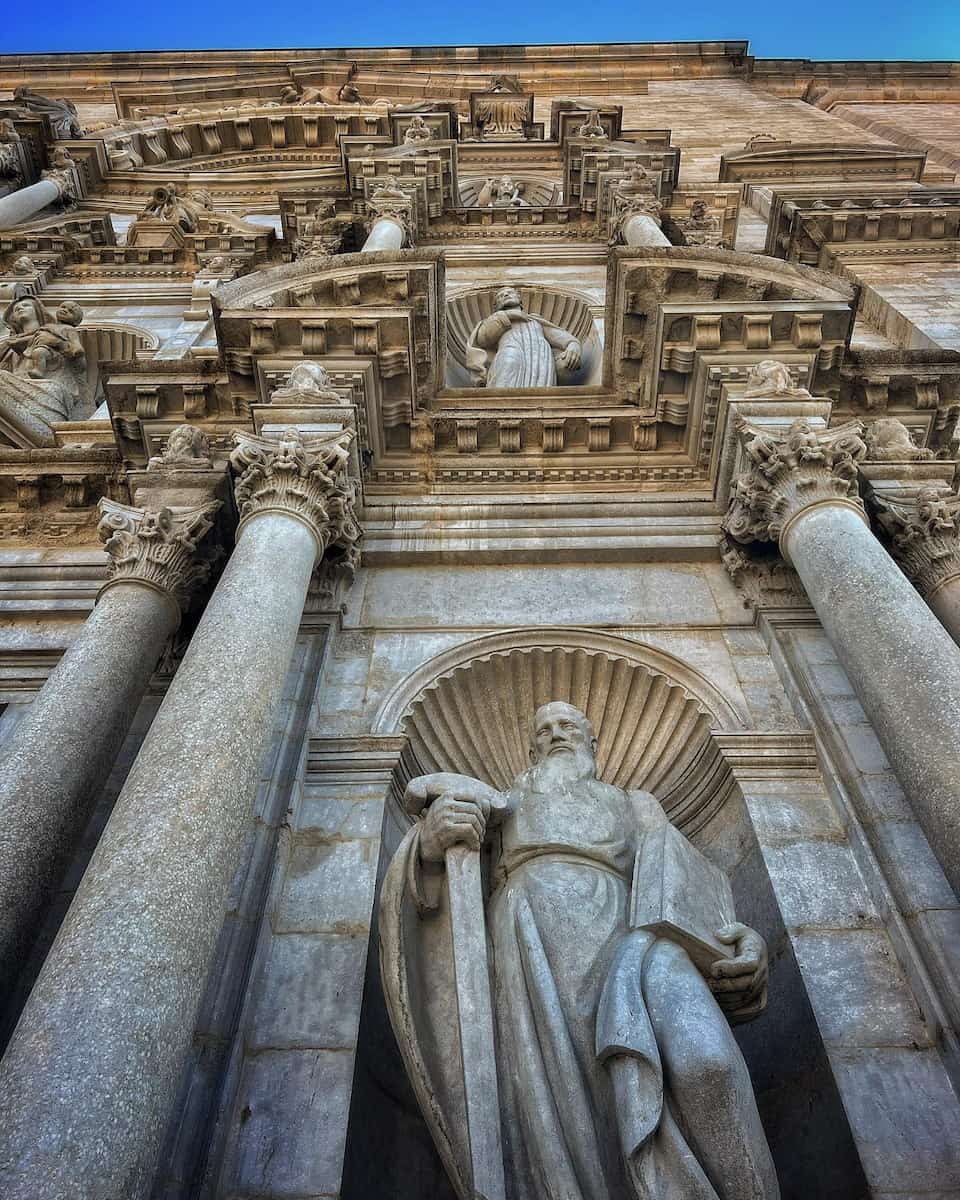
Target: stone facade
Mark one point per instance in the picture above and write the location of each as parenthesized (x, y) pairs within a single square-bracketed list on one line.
[(355, 404)]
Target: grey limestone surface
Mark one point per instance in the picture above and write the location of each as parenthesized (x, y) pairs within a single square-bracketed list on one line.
[(117, 998), (57, 758)]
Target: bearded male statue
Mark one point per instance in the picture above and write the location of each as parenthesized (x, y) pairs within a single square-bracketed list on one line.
[(527, 349), (618, 1075)]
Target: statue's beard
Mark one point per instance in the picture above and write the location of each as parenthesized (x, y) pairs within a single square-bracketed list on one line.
[(564, 767)]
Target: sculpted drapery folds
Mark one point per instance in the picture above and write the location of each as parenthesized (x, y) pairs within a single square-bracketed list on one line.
[(515, 349), (618, 1075), (42, 369)]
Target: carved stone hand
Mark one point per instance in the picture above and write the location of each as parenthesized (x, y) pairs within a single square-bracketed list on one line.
[(570, 356), (458, 812), (740, 983), (449, 821)]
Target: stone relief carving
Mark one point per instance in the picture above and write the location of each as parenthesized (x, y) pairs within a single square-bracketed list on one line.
[(11, 164), (923, 532), (700, 227), (888, 440), (184, 211), (42, 369), (619, 1019), (592, 128), (504, 192), (309, 381), (771, 378), (512, 348), (157, 547), (344, 93), (790, 472), (417, 131), (62, 113), (187, 448)]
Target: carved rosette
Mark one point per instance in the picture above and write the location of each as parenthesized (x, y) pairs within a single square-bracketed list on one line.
[(158, 547), (923, 535), (302, 477), (791, 472)]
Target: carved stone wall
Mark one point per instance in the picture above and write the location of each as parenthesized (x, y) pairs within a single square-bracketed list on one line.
[(778, 336)]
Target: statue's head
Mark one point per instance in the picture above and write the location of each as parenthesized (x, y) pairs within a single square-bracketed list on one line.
[(561, 733), (26, 315), (508, 297)]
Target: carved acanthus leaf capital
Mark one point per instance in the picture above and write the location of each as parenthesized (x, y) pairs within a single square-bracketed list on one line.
[(304, 477), (392, 203), (158, 547), (923, 534), (790, 472)]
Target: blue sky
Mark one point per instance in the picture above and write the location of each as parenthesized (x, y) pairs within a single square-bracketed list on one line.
[(858, 29)]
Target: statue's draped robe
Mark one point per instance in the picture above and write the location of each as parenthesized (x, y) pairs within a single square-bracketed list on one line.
[(571, 1016), (29, 404), (524, 355)]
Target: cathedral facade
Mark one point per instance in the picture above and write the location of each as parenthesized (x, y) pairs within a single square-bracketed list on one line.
[(479, 620)]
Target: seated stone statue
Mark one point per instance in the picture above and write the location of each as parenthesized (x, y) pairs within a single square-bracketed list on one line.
[(526, 349), (42, 370), (617, 1072)]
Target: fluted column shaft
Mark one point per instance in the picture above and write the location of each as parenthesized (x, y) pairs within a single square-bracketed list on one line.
[(58, 757), (93, 1066), (26, 202), (903, 665)]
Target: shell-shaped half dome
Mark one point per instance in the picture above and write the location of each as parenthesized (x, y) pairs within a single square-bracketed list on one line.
[(653, 733)]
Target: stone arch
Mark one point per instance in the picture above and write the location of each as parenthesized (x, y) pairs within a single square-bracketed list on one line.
[(467, 710)]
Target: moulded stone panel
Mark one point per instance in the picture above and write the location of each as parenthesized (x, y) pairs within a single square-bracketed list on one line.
[(902, 1147), (328, 888), (308, 991), (290, 1131), (861, 996)]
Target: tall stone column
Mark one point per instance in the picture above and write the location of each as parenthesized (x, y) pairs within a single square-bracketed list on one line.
[(920, 519), (56, 760), (640, 229), (92, 1069), (19, 206), (801, 491)]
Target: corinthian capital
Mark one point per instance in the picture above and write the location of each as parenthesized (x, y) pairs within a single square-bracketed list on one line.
[(304, 477), (792, 471), (392, 203), (923, 533), (157, 547)]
